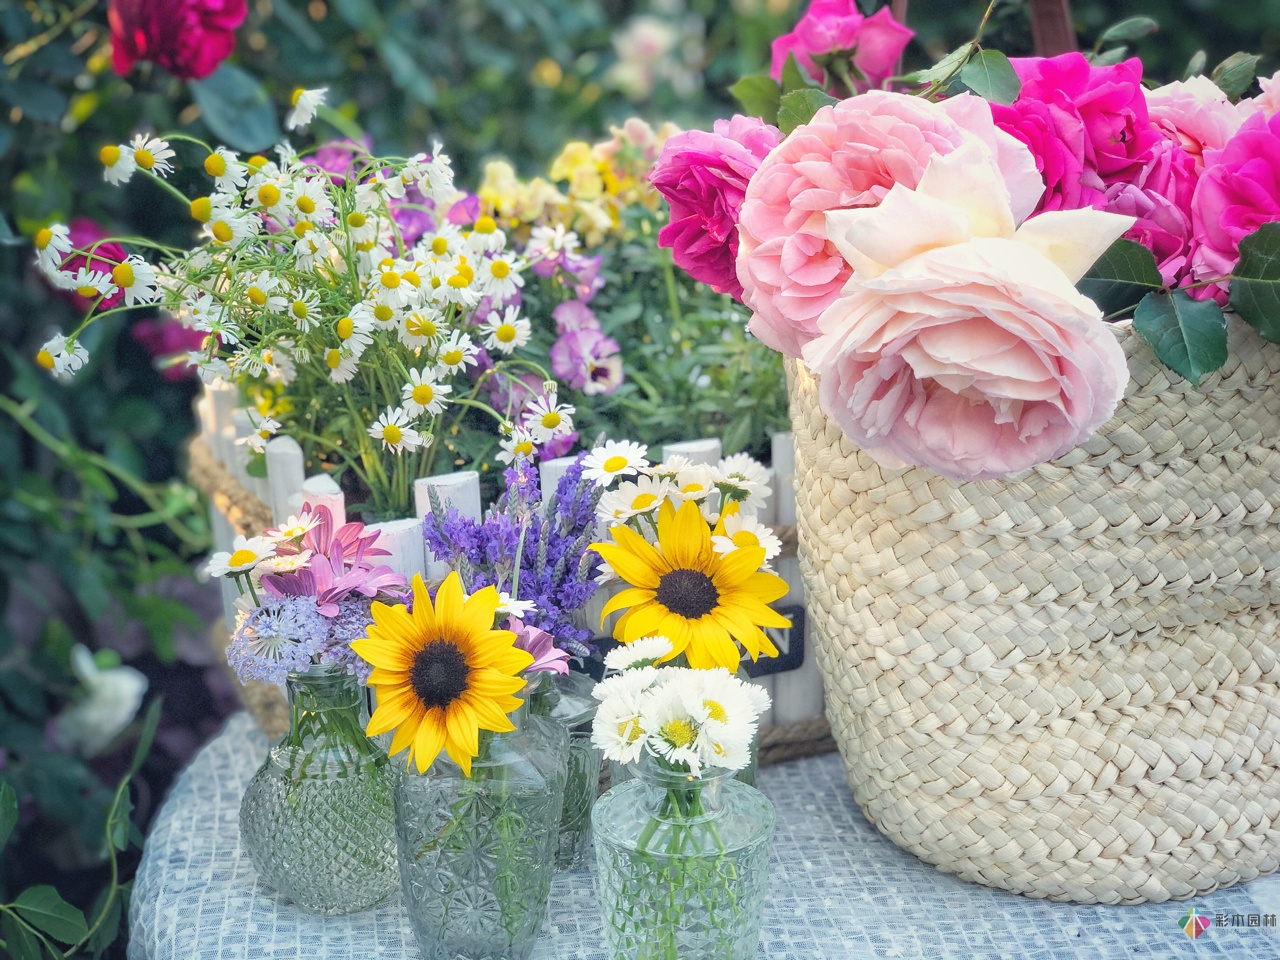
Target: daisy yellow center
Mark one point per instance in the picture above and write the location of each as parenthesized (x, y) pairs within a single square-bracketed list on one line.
[(109, 155), (745, 538), (687, 593), (45, 359), (615, 463), (242, 557), (222, 232), (87, 291), (629, 730), (297, 95), (486, 224), (505, 333), (122, 274), (215, 165), (144, 158), (256, 162), (301, 227), (391, 279), (458, 281), (524, 448), (392, 434), (346, 327), (411, 277), (423, 394), (451, 358), (383, 313), (202, 209), (306, 204), (439, 674), (333, 358), (550, 420), (419, 326), (268, 194), (500, 269), (356, 219), (694, 487), (679, 732), (643, 501), (435, 283), (268, 357), (257, 297), (364, 246), (43, 237), (439, 246), (716, 710), (300, 309), (465, 269)]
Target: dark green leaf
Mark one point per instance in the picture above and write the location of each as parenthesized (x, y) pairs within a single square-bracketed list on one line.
[(736, 435), (44, 908), (944, 67), (40, 101), (1131, 28), (19, 939), (1109, 57), (990, 75), (26, 697), (298, 25), (1195, 66), (1121, 277), (759, 95), (1255, 282), (257, 466), (41, 197), (236, 108), (799, 107), (8, 812), (110, 927), (405, 72), (149, 724), (7, 237), (794, 77), (1188, 336), (1234, 74)]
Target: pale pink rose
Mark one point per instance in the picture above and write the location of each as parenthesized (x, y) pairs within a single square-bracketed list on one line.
[(1195, 115), (1159, 199), (849, 155), (1266, 103), (961, 344)]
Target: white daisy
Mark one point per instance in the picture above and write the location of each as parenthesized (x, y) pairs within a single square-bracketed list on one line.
[(61, 356), (229, 226), (304, 309), (312, 250), (92, 284), (485, 237), (419, 328), (211, 316), (310, 200), (547, 419), (746, 531), (265, 291), (393, 429), (226, 169), (618, 729), (213, 370), (638, 653), (550, 243), (422, 394), (279, 363), (356, 334), (362, 227), (514, 608), (293, 529), (304, 103), (672, 730), (257, 441), (286, 563), (504, 332), (379, 315), (518, 443), (152, 154), (632, 498), (436, 181), (499, 277), (53, 243), (457, 353), (245, 554), (137, 278), (117, 163), (616, 458), (446, 243), (377, 189), (747, 477), (388, 286), (696, 481), (269, 194), (341, 363)]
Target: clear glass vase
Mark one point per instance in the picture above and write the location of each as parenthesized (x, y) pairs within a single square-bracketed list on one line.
[(317, 819), (477, 854), (567, 699), (683, 864)]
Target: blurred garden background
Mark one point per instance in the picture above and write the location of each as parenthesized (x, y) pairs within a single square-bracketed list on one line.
[(99, 532)]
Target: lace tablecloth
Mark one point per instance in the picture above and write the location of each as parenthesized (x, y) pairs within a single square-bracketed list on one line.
[(839, 891)]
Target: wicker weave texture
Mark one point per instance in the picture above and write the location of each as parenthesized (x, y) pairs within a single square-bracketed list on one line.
[(1064, 684)]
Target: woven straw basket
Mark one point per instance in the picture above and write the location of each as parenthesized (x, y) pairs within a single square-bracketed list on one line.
[(1064, 684)]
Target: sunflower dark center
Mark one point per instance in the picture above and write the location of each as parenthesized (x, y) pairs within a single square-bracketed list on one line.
[(689, 593), (439, 674)]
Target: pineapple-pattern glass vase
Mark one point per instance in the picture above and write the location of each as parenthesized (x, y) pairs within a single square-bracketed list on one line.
[(567, 699), (683, 863), (477, 853), (317, 819)]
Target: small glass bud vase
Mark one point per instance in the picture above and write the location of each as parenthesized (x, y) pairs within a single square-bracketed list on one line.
[(683, 862), (567, 699), (317, 819), (477, 853)]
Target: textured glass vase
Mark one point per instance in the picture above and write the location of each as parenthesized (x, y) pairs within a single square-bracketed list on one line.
[(567, 699), (477, 854), (683, 864), (317, 819)]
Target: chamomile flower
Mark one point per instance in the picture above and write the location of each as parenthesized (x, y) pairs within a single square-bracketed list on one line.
[(422, 394), (257, 441), (269, 194), (228, 226), (511, 607), (696, 481), (279, 363), (341, 363), (118, 163), (499, 277), (504, 332), (213, 370), (91, 284), (618, 729), (211, 316), (457, 353), (265, 292), (743, 478), (377, 315), (551, 243), (152, 154), (245, 554), (632, 498), (137, 278), (616, 458), (388, 286), (313, 250), (436, 182), (286, 563), (356, 335), (228, 172), (445, 244), (304, 103), (485, 237), (736, 530), (304, 309), (53, 243), (518, 443), (547, 419), (61, 356), (310, 201), (377, 189), (644, 652), (394, 430), (362, 227), (293, 529)]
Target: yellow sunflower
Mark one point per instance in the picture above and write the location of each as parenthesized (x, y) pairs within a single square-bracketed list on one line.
[(684, 590), (442, 673)]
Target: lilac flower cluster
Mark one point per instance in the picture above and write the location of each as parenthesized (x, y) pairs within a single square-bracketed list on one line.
[(551, 538)]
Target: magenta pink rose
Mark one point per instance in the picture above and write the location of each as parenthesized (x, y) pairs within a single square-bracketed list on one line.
[(704, 177), (1159, 197), (834, 26), (849, 155), (1109, 100), (189, 38), (1054, 133), (1237, 193)]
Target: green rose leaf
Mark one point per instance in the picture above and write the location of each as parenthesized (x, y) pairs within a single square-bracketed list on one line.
[(1196, 65), (44, 908), (8, 812), (943, 68), (990, 75), (257, 466), (1121, 277), (236, 108), (795, 77), (1188, 336), (1255, 282), (799, 107), (759, 95), (1131, 28), (1110, 57), (18, 938), (1234, 74)]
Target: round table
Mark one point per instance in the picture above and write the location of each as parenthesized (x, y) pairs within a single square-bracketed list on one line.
[(839, 891)]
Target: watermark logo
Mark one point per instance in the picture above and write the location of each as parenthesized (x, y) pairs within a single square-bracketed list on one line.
[(1193, 923)]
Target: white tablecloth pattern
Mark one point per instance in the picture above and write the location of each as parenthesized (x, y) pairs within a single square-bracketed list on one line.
[(839, 891)]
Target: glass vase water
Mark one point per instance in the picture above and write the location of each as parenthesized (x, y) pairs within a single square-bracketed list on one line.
[(567, 699)]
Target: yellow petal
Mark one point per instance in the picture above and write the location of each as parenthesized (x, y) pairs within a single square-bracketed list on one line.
[(644, 621), (405, 733), (449, 606), (428, 741), (380, 677), (688, 541), (489, 716), (488, 682), (734, 568), (766, 587), (463, 726), (757, 611), (480, 607), (424, 617), (711, 646), (394, 709), (626, 598), (385, 653)]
